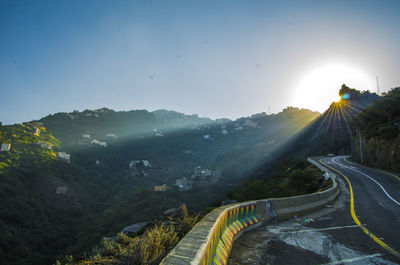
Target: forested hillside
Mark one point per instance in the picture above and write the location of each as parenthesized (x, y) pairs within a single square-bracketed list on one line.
[(380, 132), (69, 179), (329, 133)]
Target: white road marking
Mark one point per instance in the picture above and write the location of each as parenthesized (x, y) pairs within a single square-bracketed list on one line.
[(387, 194), (320, 229), (352, 259)]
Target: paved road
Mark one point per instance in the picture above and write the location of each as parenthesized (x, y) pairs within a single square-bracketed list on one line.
[(330, 235), (376, 200)]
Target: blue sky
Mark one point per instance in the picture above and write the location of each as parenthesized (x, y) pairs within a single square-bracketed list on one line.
[(214, 58)]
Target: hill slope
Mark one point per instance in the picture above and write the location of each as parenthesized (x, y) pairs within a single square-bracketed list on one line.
[(380, 131), (329, 133), (52, 207)]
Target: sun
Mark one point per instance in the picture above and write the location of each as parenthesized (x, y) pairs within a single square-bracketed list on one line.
[(319, 87)]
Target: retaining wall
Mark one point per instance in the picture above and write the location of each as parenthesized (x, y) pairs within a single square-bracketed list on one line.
[(210, 241)]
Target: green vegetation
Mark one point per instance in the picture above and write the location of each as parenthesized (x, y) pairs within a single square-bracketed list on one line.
[(147, 248), (380, 130), (51, 208), (290, 178)]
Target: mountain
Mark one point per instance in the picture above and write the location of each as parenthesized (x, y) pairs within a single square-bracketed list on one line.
[(69, 179), (331, 132)]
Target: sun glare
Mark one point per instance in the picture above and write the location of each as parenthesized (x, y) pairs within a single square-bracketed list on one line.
[(320, 87)]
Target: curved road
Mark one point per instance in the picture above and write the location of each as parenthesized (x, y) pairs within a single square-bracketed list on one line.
[(376, 199), (369, 199)]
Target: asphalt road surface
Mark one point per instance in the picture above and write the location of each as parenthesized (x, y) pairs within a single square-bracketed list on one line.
[(331, 235), (376, 200)]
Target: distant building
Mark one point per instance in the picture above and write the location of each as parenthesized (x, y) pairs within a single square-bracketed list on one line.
[(44, 144), (61, 190), (139, 164), (161, 188), (112, 135), (159, 134), (184, 184), (99, 143), (224, 131), (205, 177), (37, 124), (86, 136), (207, 136), (250, 123), (5, 147), (64, 156), (36, 131)]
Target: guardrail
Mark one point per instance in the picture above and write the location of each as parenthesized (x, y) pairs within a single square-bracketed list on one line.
[(210, 241)]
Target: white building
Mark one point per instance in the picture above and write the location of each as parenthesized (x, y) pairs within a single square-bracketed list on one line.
[(250, 123), (207, 136), (136, 163), (99, 143), (86, 136), (64, 156), (5, 147), (159, 134), (61, 190), (184, 184), (44, 145)]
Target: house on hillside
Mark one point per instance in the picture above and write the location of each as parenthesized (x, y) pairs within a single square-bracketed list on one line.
[(139, 164), (112, 135), (61, 190), (44, 144), (37, 124), (64, 156), (86, 136), (159, 134), (5, 147), (162, 188), (184, 184), (250, 123), (99, 143), (205, 177), (36, 131)]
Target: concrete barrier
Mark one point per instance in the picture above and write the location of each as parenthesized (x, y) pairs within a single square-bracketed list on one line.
[(210, 241)]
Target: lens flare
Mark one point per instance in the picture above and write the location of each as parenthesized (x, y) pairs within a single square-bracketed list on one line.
[(345, 96)]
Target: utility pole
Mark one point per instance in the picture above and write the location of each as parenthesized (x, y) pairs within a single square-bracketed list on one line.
[(269, 110), (377, 85), (361, 151)]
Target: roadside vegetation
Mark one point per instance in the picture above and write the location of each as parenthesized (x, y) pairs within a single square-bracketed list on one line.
[(380, 130), (142, 248), (289, 178)]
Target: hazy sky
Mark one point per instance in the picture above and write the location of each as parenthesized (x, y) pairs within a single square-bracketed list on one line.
[(214, 58)]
